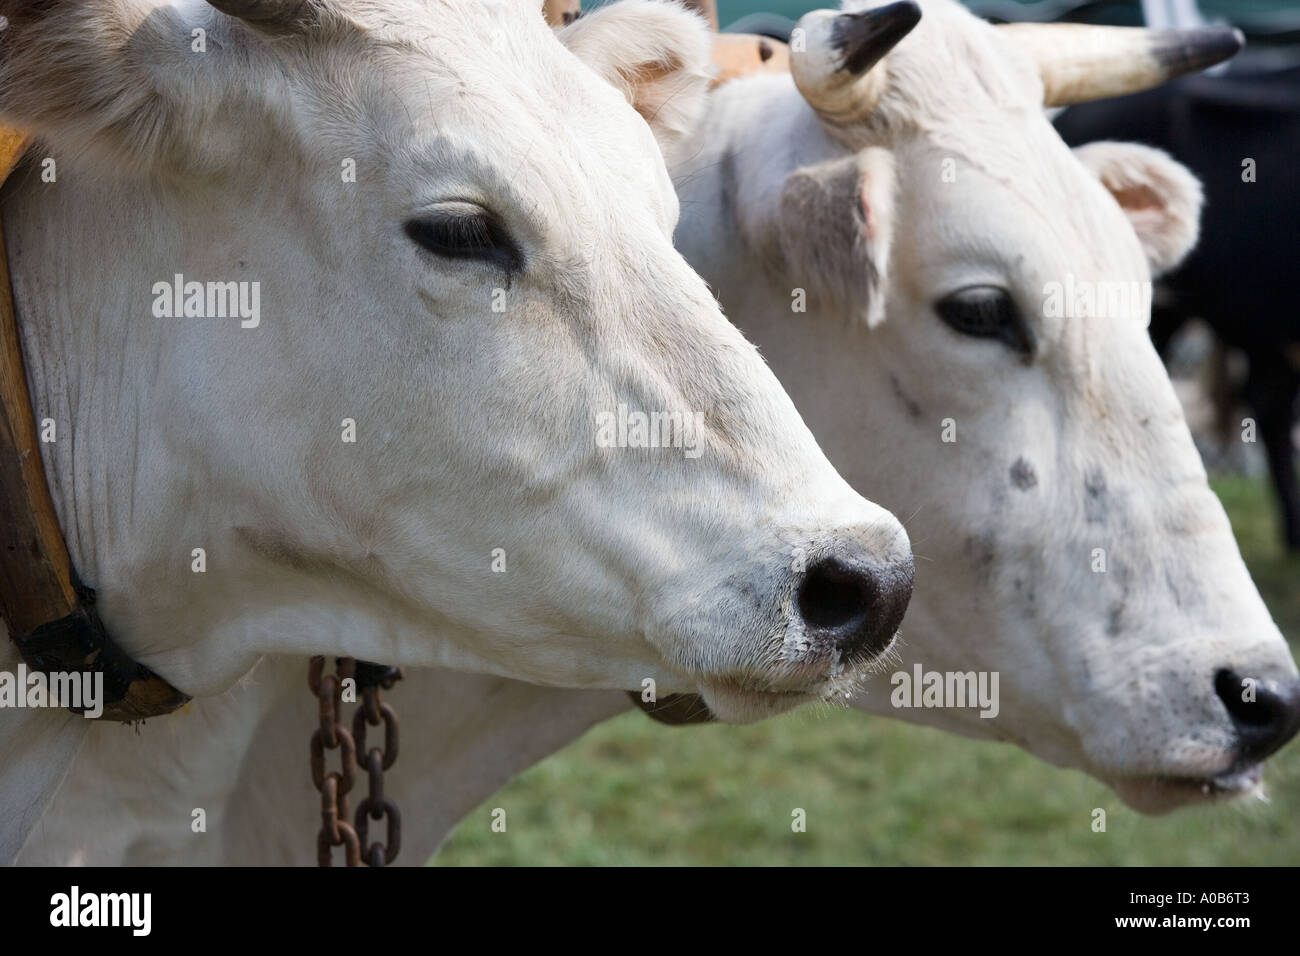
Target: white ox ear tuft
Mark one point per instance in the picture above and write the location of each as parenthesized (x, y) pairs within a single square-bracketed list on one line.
[(658, 54), (108, 78), (1160, 196), (835, 229)]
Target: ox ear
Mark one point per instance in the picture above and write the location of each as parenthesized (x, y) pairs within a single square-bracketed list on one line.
[(1160, 196), (835, 229), (99, 77), (657, 54)]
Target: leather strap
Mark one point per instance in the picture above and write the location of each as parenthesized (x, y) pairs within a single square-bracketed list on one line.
[(50, 616)]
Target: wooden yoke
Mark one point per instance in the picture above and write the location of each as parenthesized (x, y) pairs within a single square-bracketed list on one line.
[(740, 54), (561, 12)]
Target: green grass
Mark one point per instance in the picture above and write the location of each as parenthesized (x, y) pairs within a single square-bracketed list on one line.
[(875, 791)]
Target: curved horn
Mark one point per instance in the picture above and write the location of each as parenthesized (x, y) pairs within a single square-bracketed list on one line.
[(833, 69), (262, 12), (1079, 62)]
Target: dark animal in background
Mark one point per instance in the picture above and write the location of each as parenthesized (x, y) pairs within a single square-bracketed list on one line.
[(1244, 276)]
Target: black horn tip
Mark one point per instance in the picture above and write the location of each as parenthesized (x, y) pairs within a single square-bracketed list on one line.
[(863, 38), (1184, 51)]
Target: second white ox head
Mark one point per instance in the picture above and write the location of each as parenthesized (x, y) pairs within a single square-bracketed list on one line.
[(568, 466), (974, 356)]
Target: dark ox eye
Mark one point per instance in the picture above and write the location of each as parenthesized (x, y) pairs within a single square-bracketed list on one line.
[(987, 312), (466, 236)]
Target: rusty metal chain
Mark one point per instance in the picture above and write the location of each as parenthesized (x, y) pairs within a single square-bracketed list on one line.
[(336, 830), (372, 712)]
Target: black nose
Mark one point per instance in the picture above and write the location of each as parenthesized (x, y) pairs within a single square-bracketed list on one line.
[(1265, 723), (855, 606)]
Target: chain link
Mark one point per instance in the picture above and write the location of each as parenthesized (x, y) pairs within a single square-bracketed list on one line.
[(334, 787)]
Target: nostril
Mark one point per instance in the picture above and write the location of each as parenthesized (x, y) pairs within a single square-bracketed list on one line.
[(1266, 713), (1231, 690), (853, 607), (834, 595)]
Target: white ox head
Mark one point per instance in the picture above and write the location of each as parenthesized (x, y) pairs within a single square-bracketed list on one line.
[(1065, 532), (492, 300)]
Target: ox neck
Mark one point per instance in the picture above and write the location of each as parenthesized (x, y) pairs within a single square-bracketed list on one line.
[(50, 616), (106, 392)]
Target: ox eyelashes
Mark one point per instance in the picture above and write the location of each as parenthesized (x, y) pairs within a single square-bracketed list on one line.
[(987, 312), (466, 233)]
